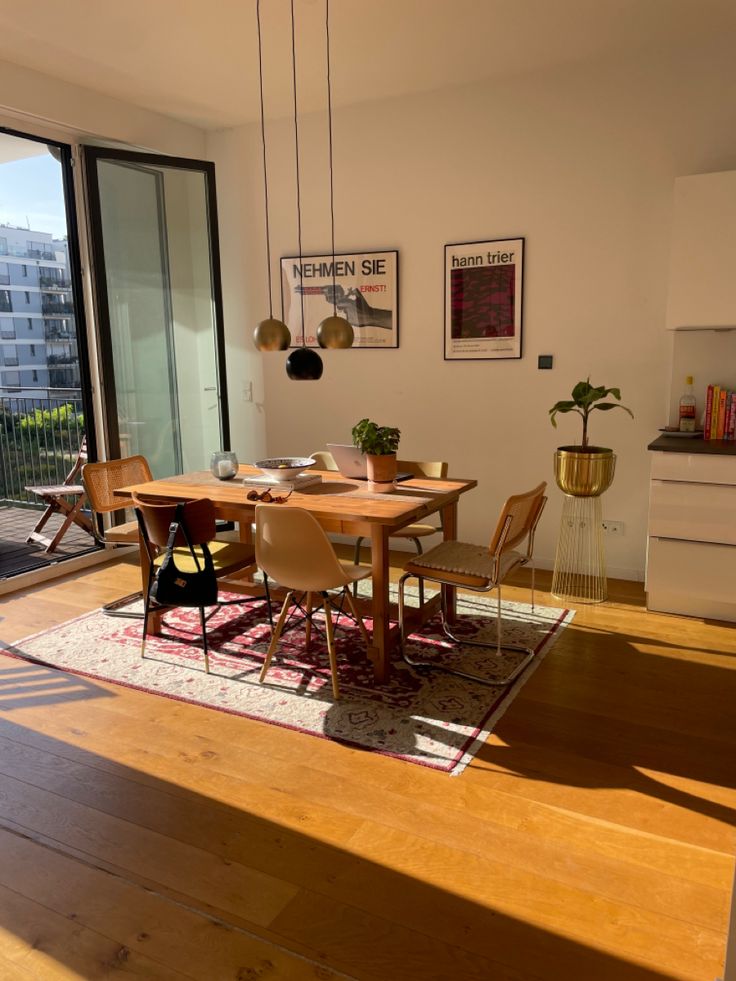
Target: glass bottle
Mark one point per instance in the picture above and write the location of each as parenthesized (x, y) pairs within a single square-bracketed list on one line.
[(687, 408), (224, 464)]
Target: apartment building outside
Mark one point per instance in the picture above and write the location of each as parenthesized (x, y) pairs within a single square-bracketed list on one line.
[(38, 340)]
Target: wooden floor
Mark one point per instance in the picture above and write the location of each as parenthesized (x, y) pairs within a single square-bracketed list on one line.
[(592, 838), (17, 555)]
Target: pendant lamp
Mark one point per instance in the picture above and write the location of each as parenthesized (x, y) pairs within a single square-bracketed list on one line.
[(271, 334), (334, 331), (303, 364)]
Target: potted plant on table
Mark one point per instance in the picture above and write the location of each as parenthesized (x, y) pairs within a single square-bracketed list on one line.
[(379, 444), (583, 470)]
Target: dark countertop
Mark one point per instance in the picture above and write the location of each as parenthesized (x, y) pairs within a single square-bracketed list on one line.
[(684, 444)]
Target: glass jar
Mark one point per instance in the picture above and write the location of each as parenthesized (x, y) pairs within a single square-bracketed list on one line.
[(224, 464)]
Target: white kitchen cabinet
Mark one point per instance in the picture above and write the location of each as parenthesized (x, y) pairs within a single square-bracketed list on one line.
[(691, 555), (702, 284)]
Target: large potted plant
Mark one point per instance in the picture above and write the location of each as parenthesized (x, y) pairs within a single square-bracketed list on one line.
[(379, 443), (583, 470)]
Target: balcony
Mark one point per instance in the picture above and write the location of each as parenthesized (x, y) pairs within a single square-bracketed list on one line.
[(55, 308), (64, 377), (53, 283), (5, 305), (39, 441), (68, 358), (36, 254)]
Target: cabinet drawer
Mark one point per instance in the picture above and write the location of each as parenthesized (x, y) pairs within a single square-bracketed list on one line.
[(692, 578), (703, 468), (695, 512)]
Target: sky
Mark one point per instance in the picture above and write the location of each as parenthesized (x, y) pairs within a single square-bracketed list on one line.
[(31, 194)]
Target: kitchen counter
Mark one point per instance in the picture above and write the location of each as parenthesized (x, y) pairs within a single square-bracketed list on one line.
[(691, 555), (684, 444)]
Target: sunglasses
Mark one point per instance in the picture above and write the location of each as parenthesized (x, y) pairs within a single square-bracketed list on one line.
[(267, 497)]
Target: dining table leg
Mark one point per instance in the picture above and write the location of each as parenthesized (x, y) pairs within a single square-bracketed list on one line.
[(449, 528), (380, 650)]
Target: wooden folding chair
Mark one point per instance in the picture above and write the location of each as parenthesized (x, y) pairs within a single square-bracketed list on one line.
[(67, 499)]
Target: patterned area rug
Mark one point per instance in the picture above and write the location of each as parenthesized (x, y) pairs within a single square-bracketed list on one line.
[(432, 719)]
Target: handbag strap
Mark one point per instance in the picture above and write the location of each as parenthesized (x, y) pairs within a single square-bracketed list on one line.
[(181, 523)]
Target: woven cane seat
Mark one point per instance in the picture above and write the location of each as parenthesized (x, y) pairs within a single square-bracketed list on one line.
[(466, 564)]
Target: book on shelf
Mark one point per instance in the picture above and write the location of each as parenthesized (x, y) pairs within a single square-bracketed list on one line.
[(262, 481), (708, 412), (720, 413)]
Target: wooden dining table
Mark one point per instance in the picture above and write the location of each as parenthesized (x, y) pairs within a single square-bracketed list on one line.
[(342, 506)]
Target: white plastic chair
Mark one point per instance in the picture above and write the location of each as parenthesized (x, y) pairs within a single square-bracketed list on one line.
[(293, 549)]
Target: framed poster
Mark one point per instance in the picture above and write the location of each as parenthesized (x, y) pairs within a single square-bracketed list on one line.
[(483, 294), (365, 288)]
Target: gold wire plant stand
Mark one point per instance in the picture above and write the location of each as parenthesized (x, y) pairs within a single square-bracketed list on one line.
[(583, 474), (580, 564)]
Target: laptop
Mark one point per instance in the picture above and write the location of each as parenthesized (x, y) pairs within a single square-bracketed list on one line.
[(352, 463)]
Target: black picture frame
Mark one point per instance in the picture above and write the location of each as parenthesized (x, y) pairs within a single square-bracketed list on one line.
[(484, 284), (366, 285)]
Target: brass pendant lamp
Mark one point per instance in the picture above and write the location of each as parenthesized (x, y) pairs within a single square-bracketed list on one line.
[(334, 331), (270, 334), (303, 364)]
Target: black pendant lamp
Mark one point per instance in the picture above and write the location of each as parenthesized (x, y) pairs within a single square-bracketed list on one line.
[(271, 334), (334, 331), (303, 364)]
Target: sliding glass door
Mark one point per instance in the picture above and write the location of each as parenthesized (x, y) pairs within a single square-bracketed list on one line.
[(153, 227)]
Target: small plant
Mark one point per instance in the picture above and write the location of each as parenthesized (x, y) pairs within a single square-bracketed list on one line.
[(375, 440), (584, 399)]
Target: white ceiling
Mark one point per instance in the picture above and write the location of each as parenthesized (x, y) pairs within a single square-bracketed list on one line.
[(196, 60)]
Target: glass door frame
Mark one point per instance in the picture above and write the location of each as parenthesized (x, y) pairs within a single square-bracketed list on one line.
[(75, 273), (91, 155)]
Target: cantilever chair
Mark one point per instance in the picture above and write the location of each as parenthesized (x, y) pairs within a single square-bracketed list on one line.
[(228, 558), (414, 532), (100, 481), (480, 569), (294, 550), (66, 499)]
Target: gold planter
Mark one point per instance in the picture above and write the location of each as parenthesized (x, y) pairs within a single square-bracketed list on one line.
[(584, 472)]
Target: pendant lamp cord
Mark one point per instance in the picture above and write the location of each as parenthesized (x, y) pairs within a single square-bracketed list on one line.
[(329, 130), (296, 145), (265, 168)]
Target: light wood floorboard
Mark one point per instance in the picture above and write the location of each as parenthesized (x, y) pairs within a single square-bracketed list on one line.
[(591, 838)]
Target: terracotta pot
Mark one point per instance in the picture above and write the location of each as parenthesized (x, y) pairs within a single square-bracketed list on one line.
[(382, 469), (584, 472)]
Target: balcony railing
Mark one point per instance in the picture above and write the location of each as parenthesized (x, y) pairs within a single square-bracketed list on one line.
[(53, 308), (39, 442), (54, 283)]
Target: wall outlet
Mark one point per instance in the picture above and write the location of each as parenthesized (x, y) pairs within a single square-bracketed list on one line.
[(613, 528)]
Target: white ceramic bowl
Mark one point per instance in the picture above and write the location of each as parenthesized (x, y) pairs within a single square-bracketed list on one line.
[(284, 467)]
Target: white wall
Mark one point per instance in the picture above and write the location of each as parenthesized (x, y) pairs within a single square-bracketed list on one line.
[(39, 104), (581, 162)]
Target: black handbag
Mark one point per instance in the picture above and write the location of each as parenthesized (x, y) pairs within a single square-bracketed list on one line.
[(178, 587)]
